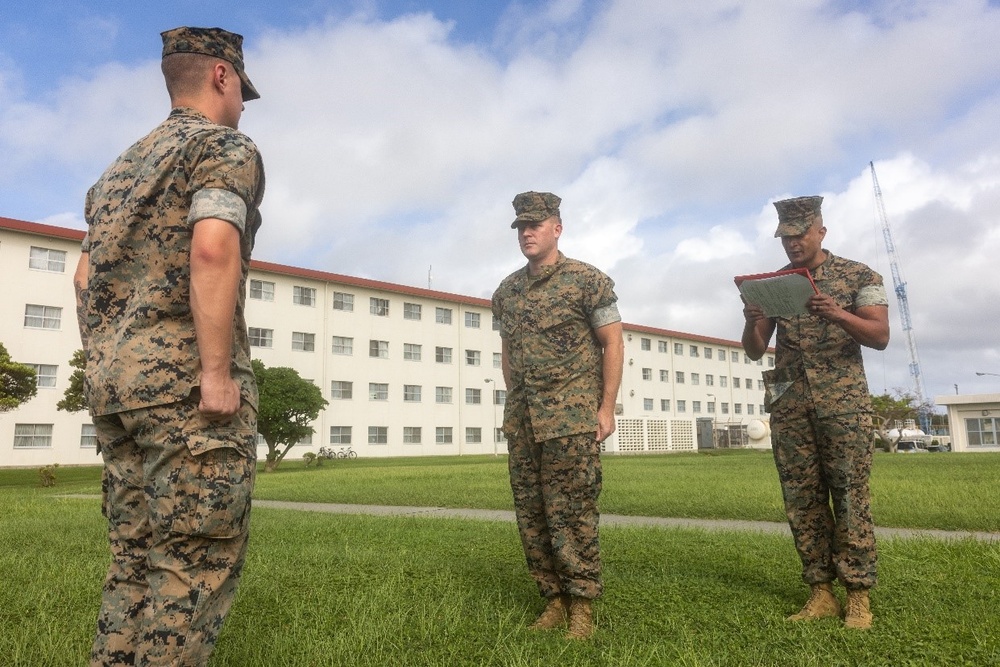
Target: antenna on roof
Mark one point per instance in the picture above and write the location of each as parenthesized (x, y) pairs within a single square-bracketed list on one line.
[(429, 278)]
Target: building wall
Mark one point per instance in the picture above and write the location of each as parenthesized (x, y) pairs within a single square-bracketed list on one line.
[(670, 380), (975, 413)]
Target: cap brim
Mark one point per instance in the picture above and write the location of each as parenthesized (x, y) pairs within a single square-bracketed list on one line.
[(247, 88)]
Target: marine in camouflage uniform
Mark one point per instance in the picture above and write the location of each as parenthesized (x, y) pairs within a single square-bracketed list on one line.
[(820, 409), (160, 289), (562, 361)]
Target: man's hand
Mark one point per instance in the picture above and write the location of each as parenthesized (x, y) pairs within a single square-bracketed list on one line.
[(605, 424), (220, 397)]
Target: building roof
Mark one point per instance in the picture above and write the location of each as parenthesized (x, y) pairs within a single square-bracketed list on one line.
[(324, 276)]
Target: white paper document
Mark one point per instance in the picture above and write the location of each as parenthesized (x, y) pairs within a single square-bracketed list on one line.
[(779, 294)]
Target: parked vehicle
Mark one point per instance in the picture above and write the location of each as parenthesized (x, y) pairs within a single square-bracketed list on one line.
[(910, 447)]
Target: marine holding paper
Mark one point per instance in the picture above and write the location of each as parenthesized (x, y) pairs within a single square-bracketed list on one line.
[(820, 409)]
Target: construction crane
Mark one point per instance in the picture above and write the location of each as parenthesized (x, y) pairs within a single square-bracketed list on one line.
[(899, 285)]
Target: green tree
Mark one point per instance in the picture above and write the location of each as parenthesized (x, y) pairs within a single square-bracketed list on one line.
[(17, 382), (288, 406), (74, 399)]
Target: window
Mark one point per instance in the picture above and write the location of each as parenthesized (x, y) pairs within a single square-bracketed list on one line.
[(31, 436), (343, 301), (473, 396), (498, 435), (749, 408), (760, 362), (341, 390), (46, 259), (412, 351), (261, 337), (749, 384), (696, 407), (42, 317), (306, 440), (306, 342), (746, 358), (472, 320), (736, 383), (378, 349), (411, 435), (681, 406), (709, 380), (442, 435), (737, 408), (982, 431), (734, 357), (442, 394), (645, 344), (664, 376), (711, 407), (379, 307), (378, 435), (723, 381), (88, 437), (665, 405), (343, 345), (708, 353), (442, 316), (45, 375), (378, 391), (678, 348), (473, 434), (497, 360), (442, 355), (770, 362), (647, 373), (304, 296), (472, 357), (496, 323), (340, 435), (725, 408), (679, 377), (411, 393), (693, 351), (695, 378), (722, 354), (262, 290), (647, 404), (499, 396), (661, 345), (411, 311)]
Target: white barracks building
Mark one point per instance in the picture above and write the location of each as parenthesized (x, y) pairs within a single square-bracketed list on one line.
[(407, 371)]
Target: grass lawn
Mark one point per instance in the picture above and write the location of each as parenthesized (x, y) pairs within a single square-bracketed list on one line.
[(357, 590)]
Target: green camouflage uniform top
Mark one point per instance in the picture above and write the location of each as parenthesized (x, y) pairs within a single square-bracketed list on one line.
[(140, 215), (817, 364), (548, 322)]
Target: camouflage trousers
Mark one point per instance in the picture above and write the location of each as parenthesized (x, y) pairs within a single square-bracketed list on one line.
[(556, 484), (176, 493), (824, 466)]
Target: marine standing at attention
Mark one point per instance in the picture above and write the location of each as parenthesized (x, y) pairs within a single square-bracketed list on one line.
[(821, 415), (562, 352), (160, 298)]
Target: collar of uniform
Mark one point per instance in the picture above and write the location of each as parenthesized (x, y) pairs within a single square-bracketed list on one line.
[(818, 272), (547, 270), (187, 111)]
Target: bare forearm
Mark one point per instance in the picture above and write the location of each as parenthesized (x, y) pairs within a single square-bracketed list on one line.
[(215, 279)]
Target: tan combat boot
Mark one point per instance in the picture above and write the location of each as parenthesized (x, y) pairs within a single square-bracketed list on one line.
[(859, 611), (554, 615), (581, 619), (822, 603)]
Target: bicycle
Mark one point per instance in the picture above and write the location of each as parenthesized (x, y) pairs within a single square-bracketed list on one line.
[(347, 453)]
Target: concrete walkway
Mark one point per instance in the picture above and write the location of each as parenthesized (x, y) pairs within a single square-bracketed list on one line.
[(607, 520)]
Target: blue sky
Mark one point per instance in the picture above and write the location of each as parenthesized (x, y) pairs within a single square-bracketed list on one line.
[(396, 133)]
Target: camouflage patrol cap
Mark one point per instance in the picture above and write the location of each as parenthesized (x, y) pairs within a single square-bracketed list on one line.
[(214, 42), (535, 207), (796, 216)]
